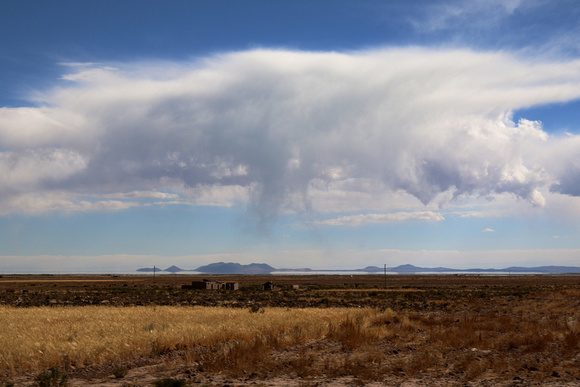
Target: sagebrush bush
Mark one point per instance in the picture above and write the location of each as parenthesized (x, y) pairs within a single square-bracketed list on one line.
[(120, 372), (53, 377)]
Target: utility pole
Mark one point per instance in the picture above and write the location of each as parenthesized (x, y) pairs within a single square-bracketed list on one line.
[(153, 272), (385, 276)]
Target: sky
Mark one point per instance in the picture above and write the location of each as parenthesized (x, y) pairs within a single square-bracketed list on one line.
[(324, 134)]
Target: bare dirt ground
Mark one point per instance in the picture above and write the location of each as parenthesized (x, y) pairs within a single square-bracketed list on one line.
[(445, 299)]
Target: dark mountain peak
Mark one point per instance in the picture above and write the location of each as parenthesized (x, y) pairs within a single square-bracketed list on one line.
[(372, 268), (406, 266), (173, 269), (235, 268), (146, 269)]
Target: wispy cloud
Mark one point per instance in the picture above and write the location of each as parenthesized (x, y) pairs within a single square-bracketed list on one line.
[(359, 220), (78, 64), (488, 230), (475, 13), (137, 195), (39, 203)]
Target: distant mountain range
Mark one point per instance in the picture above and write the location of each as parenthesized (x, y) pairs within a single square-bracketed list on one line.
[(171, 269), (512, 269), (262, 268)]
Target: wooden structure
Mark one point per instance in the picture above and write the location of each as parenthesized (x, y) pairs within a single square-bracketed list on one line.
[(272, 286), (212, 285)]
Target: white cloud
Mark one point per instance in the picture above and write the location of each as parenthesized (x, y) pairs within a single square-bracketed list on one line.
[(78, 64), (221, 196), (282, 130), (488, 230), (39, 203), (138, 195), (31, 168), (471, 14), (359, 220)]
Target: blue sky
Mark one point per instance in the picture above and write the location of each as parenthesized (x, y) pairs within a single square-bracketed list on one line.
[(297, 133)]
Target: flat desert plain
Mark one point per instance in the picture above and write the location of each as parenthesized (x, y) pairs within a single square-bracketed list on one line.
[(313, 330)]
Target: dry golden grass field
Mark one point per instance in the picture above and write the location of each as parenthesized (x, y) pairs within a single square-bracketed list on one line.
[(334, 330)]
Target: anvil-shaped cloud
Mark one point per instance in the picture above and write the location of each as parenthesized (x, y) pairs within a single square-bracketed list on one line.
[(267, 127)]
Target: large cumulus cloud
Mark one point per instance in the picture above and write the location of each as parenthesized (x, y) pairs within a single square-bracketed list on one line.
[(270, 127)]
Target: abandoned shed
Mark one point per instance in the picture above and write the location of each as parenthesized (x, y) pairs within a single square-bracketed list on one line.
[(212, 285), (272, 286)]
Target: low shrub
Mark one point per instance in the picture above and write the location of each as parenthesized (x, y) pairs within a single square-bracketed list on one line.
[(120, 372), (53, 377), (169, 382)]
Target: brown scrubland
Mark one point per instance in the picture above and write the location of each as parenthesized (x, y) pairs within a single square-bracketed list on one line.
[(334, 330)]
